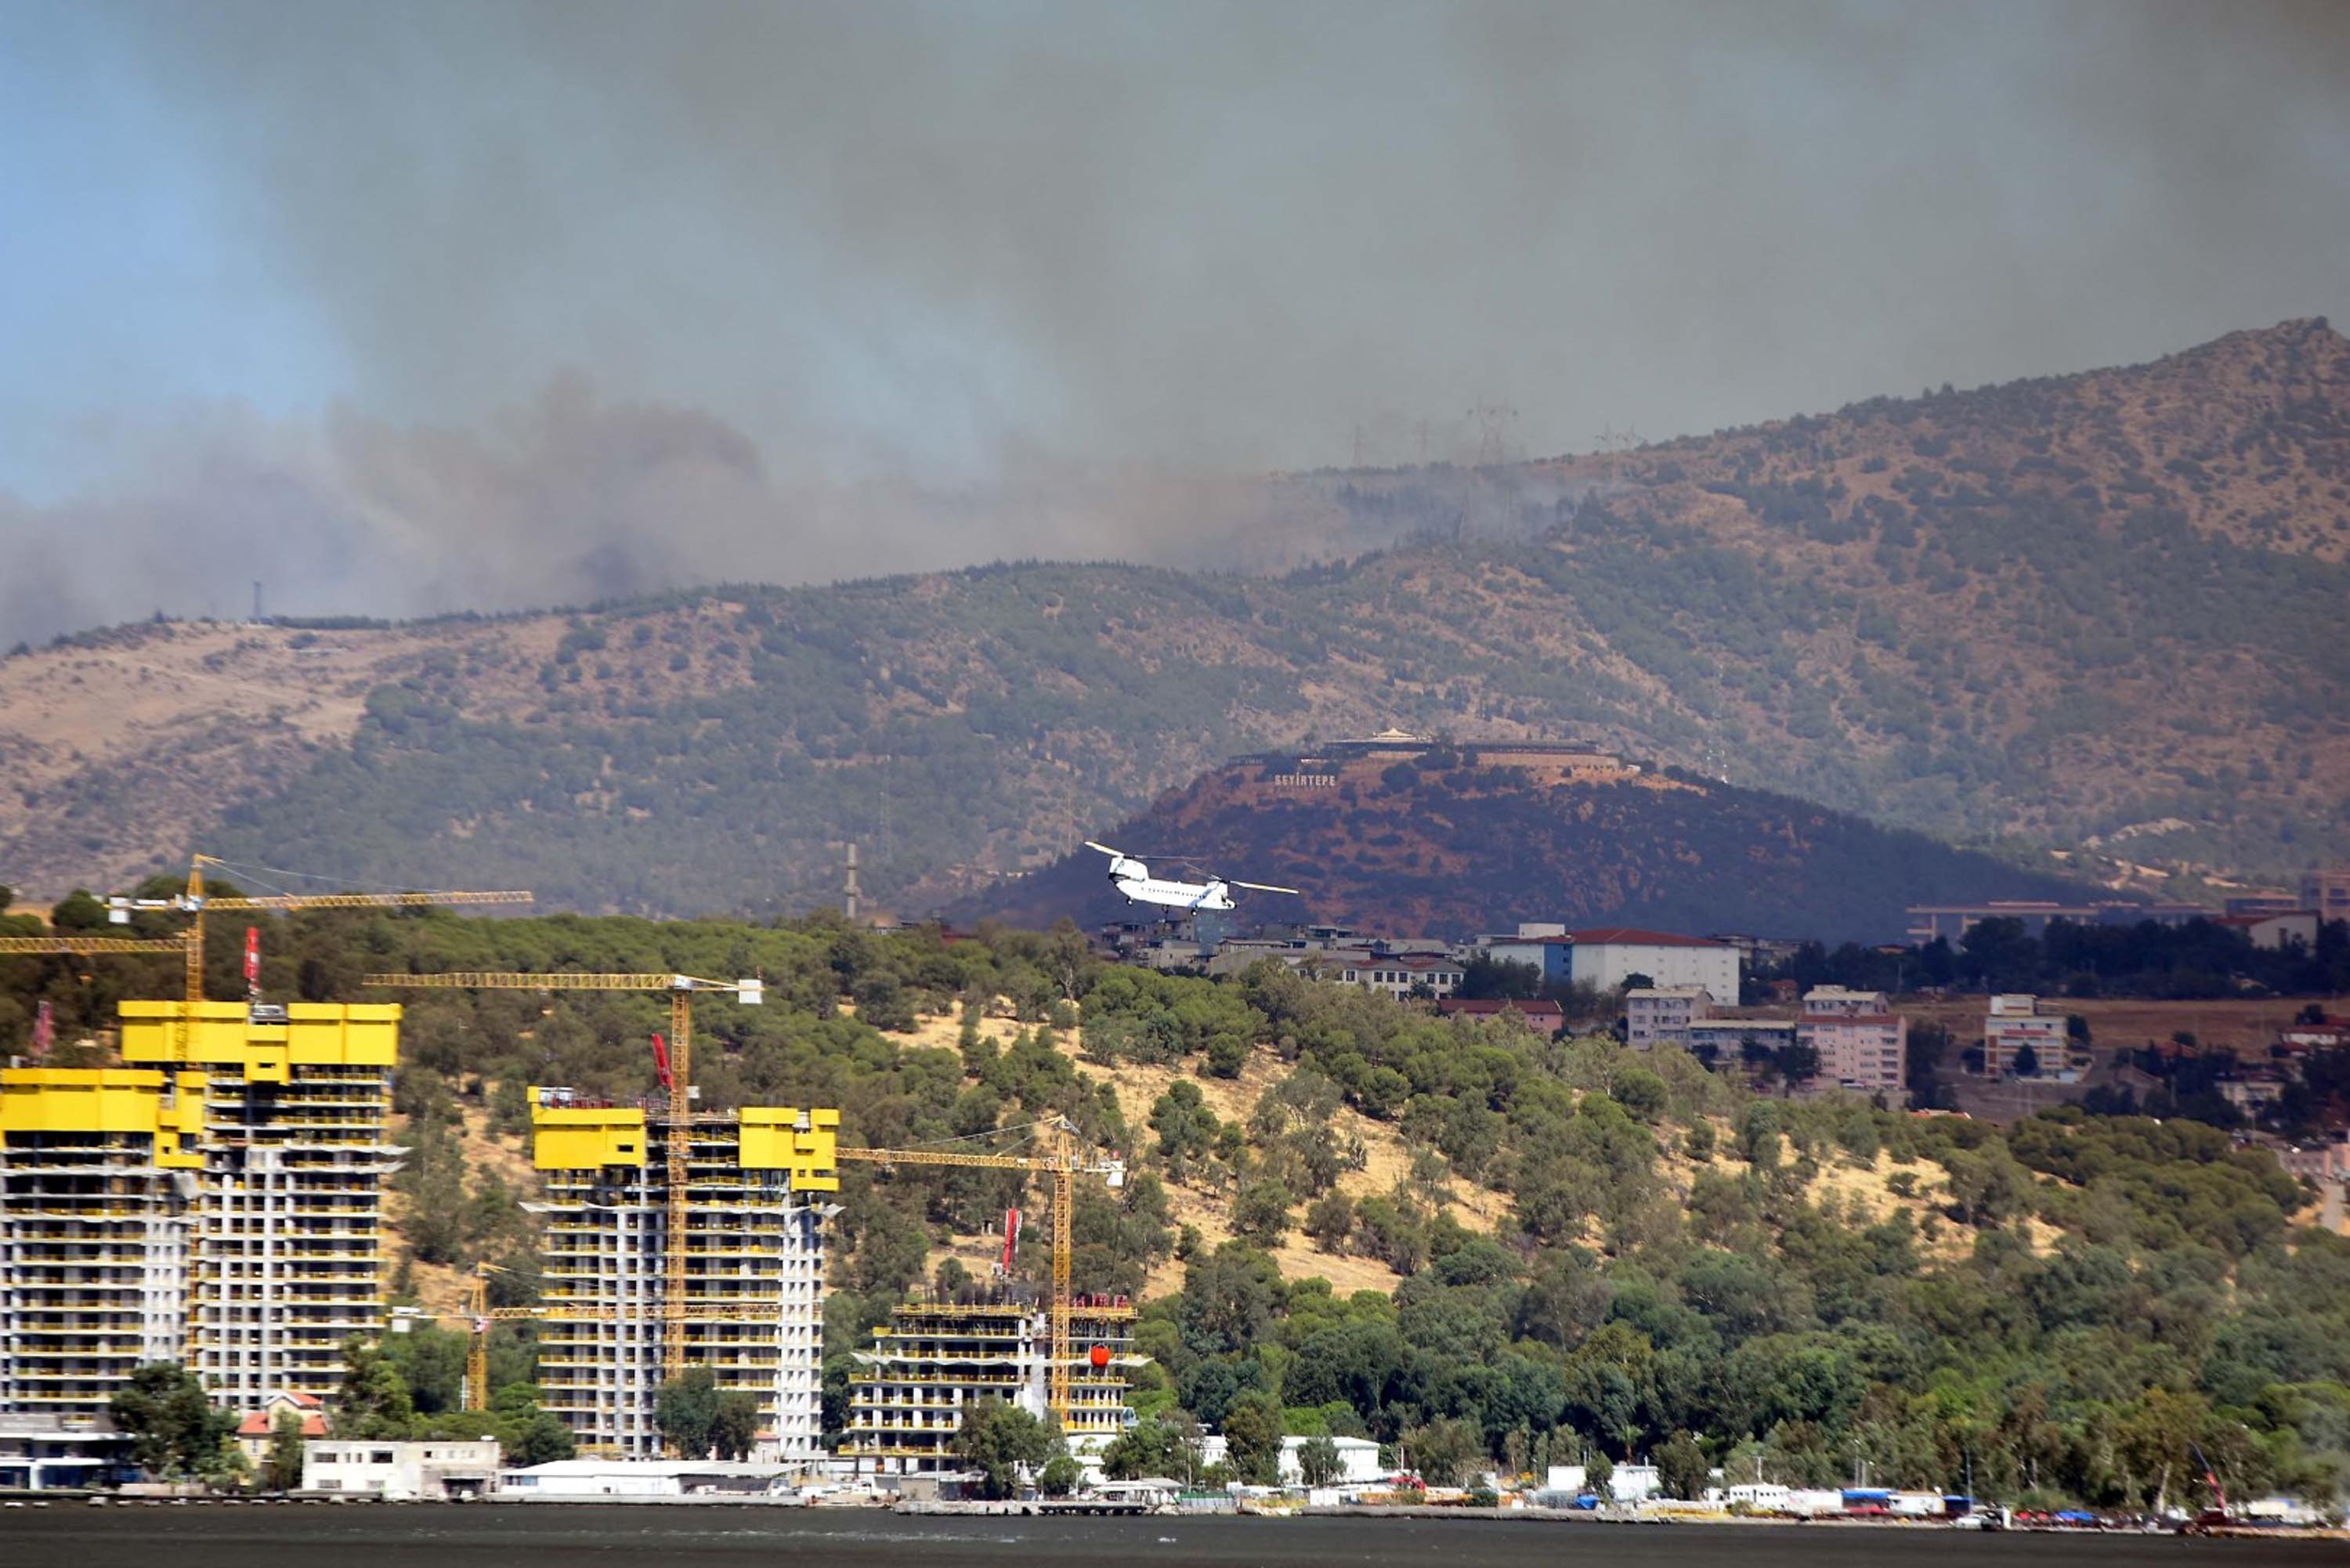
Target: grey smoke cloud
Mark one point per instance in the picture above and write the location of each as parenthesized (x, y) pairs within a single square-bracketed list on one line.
[(627, 296)]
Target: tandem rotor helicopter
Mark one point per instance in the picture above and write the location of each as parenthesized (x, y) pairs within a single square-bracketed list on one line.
[(1131, 876)]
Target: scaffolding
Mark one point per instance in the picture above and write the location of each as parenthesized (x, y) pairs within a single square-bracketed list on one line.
[(287, 1259), (938, 1356), (217, 1202), (95, 1192)]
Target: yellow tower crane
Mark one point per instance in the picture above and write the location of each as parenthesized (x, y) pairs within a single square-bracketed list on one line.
[(1063, 1163), (63, 946), (59, 946), (681, 989), (195, 903)]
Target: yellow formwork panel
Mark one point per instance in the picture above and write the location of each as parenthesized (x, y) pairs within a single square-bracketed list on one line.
[(80, 1100), (182, 1124), (223, 1034), (774, 1140), (343, 1034), (579, 1138)]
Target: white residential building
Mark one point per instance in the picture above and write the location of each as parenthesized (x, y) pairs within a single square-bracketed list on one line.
[(427, 1472), (2276, 931), (1606, 956), (1399, 974), (755, 1246), (214, 1201), (1358, 1461), (1863, 1044), (1541, 945), (936, 1358), (49, 1452), (1653, 1014)]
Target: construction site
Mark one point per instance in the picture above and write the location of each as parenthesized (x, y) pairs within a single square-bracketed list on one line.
[(216, 1201), (939, 1355)]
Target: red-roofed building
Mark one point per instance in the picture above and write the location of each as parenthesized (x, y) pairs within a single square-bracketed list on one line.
[(254, 1431), (2301, 1038), (2273, 932)]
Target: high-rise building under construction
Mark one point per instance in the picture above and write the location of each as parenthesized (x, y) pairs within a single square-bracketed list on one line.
[(937, 1357), (216, 1201), (749, 1299)]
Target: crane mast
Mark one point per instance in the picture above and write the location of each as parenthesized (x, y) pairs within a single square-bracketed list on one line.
[(478, 1315), (676, 1211), (1060, 1161)]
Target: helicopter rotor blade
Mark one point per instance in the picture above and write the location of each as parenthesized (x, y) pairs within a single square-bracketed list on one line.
[(1259, 886)]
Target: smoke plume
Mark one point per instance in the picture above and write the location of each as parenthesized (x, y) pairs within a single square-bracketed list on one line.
[(574, 297)]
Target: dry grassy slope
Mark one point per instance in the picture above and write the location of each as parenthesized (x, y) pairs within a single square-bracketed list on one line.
[(1863, 1192), (2258, 414), (2248, 435), (440, 1287), (185, 720), (186, 716)]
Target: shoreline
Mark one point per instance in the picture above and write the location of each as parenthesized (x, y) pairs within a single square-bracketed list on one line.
[(1074, 1508)]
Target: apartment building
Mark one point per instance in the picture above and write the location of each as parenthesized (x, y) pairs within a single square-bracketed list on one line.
[(97, 1188), (1653, 1014), (753, 1284), (1727, 1039), (1863, 1044), (936, 1357), (2326, 891), (216, 1201), (1605, 957), (2014, 1021), (1399, 974)]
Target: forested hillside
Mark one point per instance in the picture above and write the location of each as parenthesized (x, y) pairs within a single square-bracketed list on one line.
[(1442, 846), (1551, 1250), (2098, 613)]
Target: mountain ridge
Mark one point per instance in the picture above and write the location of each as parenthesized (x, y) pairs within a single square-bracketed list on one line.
[(1955, 642)]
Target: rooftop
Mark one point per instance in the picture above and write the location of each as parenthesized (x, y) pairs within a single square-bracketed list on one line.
[(264, 1423), (1633, 936), (645, 1467)]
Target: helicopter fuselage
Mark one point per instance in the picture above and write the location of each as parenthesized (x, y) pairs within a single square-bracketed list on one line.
[(1173, 894)]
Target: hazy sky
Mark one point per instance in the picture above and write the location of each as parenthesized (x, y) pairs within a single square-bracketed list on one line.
[(417, 305)]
